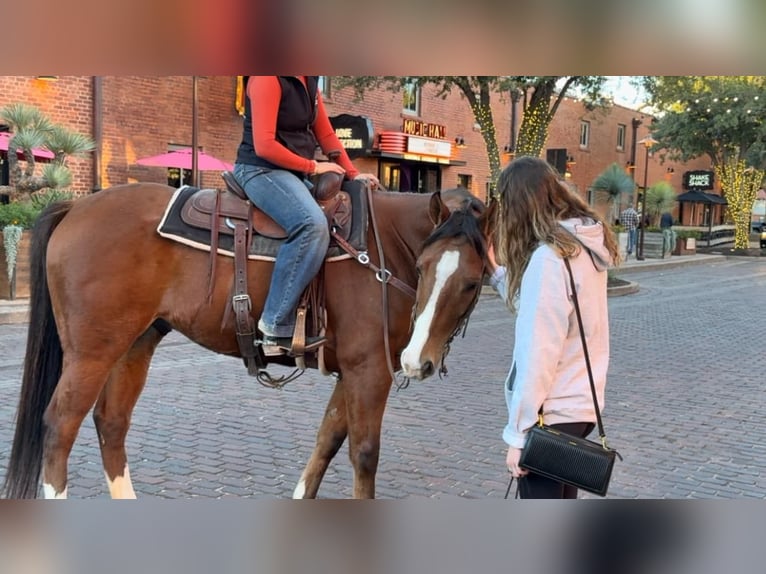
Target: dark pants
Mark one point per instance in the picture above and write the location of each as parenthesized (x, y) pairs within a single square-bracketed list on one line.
[(536, 486)]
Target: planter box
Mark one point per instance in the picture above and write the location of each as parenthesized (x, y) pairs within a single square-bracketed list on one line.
[(687, 246), (21, 288), (653, 245)]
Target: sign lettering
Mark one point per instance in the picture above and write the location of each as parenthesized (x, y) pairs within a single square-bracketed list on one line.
[(355, 133), (418, 128), (699, 179)]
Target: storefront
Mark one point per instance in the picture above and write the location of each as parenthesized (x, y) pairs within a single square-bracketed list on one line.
[(409, 160)]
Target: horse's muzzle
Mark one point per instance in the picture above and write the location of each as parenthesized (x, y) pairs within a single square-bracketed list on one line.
[(419, 371)]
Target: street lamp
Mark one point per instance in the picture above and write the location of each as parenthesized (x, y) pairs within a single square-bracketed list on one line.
[(647, 142)]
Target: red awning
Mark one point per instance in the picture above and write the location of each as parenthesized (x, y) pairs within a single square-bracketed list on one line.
[(38, 153), (182, 158)]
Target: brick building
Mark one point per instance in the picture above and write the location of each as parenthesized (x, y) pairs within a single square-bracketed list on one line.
[(132, 117)]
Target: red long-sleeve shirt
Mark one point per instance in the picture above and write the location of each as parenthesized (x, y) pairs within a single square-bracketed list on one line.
[(265, 94)]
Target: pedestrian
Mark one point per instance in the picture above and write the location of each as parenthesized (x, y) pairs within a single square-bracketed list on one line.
[(629, 221), (538, 223), (668, 234), (285, 119)]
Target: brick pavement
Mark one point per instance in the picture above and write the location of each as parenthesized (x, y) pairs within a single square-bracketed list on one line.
[(685, 407)]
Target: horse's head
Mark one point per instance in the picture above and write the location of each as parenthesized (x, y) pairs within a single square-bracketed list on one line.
[(450, 269)]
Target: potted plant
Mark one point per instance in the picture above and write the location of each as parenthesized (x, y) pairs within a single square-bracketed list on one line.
[(16, 220), (660, 197), (686, 242)]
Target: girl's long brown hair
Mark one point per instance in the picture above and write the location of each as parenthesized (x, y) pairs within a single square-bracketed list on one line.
[(531, 204)]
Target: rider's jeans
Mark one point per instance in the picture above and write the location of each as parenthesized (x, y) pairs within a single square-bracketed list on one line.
[(286, 199)]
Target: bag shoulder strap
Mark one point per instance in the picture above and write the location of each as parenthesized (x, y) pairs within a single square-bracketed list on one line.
[(601, 432)]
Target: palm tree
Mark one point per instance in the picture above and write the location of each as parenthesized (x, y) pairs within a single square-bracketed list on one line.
[(614, 182), (31, 129)]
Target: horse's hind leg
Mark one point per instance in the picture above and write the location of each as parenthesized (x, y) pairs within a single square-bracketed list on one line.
[(332, 432), (115, 407), (77, 390)]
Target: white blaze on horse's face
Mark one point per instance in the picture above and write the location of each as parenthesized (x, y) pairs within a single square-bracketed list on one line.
[(412, 356)]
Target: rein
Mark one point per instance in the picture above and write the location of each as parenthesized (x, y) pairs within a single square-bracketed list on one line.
[(381, 274)]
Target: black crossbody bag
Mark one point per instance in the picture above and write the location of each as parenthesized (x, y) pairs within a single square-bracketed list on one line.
[(569, 459)]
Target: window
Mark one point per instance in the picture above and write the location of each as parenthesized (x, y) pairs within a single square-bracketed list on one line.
[(324, 85), (411, 98), (557, 157), (584, 134), (620, 137), (464, 180), (178, 177)]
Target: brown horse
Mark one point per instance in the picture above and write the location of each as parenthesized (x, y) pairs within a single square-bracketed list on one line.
[(104, 283)]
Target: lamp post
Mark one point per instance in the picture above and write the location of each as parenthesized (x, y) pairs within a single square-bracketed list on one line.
[(647, 142)]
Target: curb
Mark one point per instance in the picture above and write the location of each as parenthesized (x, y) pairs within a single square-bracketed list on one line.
[(14, 313), (622, 290), (668, 264)]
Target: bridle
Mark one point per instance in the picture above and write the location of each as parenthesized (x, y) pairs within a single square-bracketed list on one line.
[(384, 276)]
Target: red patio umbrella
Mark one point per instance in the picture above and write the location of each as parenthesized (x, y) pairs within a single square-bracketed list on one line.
[(182, 158), (38, 153)]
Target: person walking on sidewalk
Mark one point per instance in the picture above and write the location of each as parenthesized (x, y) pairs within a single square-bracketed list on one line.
[(629, 221), (539, 223)]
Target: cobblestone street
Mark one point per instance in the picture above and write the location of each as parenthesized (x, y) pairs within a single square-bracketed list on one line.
[(686, 407)]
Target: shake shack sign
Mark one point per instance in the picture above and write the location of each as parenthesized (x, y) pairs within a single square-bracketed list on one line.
[(354, 132), (700, 179)]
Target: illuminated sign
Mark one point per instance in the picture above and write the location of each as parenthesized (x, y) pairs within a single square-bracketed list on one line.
[(354, 132), (699, 179), (418, 128), (427, 146)]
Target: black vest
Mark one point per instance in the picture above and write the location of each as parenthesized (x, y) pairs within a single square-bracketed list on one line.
[(297, 110)]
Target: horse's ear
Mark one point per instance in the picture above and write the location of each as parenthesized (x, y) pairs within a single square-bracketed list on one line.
[(437, 211)]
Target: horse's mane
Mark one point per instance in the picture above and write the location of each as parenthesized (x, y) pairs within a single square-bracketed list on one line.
[(461, 223)]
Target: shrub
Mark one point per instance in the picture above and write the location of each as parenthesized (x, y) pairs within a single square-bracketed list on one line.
[(22, 214), (688, 234), (25, 213)]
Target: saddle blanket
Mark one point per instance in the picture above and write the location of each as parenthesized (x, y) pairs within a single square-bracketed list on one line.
[(173, 227)]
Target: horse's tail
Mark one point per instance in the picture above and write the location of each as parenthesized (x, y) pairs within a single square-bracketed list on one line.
[(42, 366)]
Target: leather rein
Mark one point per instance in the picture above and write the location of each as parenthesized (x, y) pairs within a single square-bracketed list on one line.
[(382, 274)]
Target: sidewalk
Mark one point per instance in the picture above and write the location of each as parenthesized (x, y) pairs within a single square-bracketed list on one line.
[(634, 266)]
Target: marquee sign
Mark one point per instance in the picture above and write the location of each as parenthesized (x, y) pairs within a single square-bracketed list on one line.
[(699, 179), (426, 146), (418, 128)]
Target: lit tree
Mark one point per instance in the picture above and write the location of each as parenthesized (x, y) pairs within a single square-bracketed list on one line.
[(720, 117), (540, 96)]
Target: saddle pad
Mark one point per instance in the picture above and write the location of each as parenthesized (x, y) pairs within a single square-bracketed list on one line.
[(262, 248)]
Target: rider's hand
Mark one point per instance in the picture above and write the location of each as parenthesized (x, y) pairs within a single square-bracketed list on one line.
[(369, 179), (328, 166)]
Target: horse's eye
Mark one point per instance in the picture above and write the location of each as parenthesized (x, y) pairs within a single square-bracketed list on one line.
[(471, 287)]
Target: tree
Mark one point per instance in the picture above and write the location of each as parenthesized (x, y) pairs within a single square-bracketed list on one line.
[(720, 117), (31, 129), (660, 197), (614, 183), (540, 96)]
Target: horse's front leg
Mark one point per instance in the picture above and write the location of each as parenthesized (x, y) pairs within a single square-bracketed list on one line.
[(332, 432), (366, 395)]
